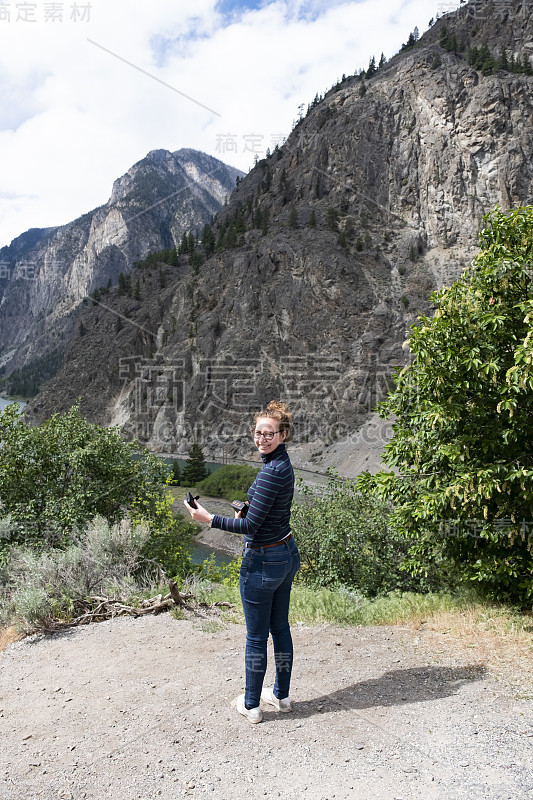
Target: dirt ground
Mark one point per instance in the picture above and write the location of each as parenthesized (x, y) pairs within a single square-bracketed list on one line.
[(144, 708)]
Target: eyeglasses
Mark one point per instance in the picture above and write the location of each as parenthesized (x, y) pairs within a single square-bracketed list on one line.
[(268, 435)]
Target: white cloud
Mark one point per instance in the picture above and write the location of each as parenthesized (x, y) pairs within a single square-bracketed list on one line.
[(75, 117)]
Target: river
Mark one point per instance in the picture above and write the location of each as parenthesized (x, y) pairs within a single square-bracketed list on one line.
[(6, 402)]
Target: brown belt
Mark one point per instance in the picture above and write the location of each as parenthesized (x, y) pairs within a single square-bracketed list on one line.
[(274, 544)]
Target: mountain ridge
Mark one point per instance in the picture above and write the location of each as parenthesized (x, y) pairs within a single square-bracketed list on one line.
[(325, 254), (48, 272)]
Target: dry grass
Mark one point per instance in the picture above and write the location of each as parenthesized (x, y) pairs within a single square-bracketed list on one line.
[(499, 637), (8, 636)]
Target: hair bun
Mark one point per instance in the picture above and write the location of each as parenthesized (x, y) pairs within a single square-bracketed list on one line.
[(281, 408)]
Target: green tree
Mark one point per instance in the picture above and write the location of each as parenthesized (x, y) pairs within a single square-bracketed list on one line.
[(173, 258), (57, 476), (293, 218), (122, 284), (231, 481), (175, 473), (371, 71), (195, 469), (208, 240), (502, 61), (332, 218), (463, 440)]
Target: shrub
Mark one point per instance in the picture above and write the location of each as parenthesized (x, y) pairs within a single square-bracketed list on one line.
[(57, 476), (345, 539), (231, 482), (104, 560)]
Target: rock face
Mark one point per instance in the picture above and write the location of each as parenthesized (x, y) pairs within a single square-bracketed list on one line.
[(326, 252), (45, 274)]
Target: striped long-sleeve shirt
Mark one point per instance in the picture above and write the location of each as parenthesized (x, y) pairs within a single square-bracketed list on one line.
[(270, 497)]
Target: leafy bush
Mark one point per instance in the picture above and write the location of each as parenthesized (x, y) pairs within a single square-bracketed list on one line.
[(226, 574), (345, 539), (231, 482), (169, 548), (462, 450), (57, 476)]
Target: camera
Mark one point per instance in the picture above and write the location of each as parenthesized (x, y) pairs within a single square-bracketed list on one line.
[(190, 500), (242, 507)]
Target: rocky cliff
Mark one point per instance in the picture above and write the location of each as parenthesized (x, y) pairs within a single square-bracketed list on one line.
[(45, 274), (324, 255)]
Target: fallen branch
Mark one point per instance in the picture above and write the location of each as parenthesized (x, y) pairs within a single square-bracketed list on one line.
[(109, 608)]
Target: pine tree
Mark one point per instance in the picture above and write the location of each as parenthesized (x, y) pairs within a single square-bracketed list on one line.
[(293, 218), (526, 65), (173, 257), (410, 42), (195, 469), (182, 250), (371, 67), (208, 240), (502, 62), (175, 474), (486, 60)]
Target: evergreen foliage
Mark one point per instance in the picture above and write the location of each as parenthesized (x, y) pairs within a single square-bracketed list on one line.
[(332, 218), (124, 284), (293, 218), (195, 469), (175, 474), (28, 380), (372, 69)]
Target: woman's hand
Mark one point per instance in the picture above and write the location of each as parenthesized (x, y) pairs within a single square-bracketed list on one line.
[(199, 514)]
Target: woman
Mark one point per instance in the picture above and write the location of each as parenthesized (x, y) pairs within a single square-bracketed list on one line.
[(270, 562)]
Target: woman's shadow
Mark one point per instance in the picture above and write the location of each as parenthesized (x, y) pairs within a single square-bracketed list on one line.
[(398, 687)]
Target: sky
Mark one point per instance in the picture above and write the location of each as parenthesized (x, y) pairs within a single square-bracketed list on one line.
[(89, 88)]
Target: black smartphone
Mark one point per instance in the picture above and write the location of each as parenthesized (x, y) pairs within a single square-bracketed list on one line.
[(191, 501)]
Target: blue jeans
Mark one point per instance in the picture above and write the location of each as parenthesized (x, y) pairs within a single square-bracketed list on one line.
[(265, 582)]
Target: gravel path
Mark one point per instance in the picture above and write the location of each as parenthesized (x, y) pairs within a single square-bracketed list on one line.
[(144, 708)]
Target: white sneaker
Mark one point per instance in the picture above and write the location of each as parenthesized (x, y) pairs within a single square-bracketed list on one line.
[(280, 705), (251, 714)]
